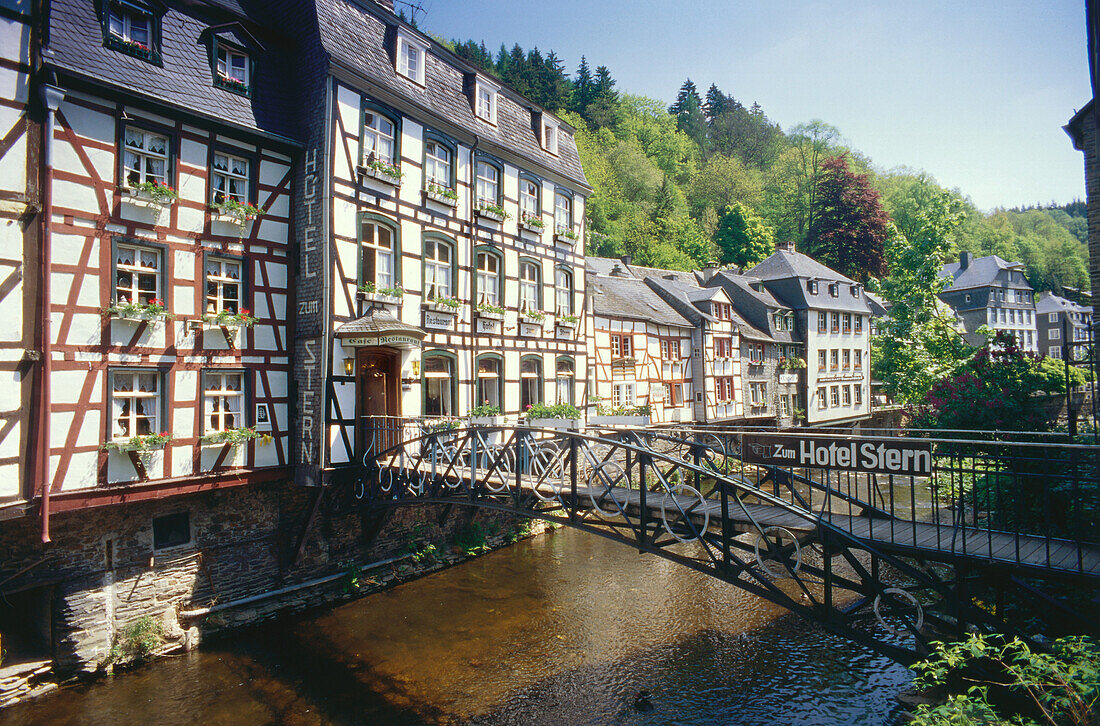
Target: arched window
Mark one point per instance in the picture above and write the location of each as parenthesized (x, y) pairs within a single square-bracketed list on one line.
[(563, 212), (379, 138), (439, 263), (530, 285), (530, 194), (565, 375), (530, 381), (489, 276), (563, 291), (438, 163), (378, 253), (490, 381), (440, 374), (488, 184)]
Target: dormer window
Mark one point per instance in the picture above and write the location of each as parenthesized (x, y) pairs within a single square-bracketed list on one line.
[(485, 101), (232, 68), (834, 289), (131, 28), (550, 136), (811, 287), (854, 290), (411, 56)]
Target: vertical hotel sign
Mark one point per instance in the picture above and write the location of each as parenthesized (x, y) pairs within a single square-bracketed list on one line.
[(309, 349)]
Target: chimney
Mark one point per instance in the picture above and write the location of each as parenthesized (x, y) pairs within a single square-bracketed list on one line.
[(617, 271), (626, 259), (707, 274), (965, 258)]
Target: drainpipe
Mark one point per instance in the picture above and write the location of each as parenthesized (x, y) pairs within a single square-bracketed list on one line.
[(52, 96), (473, 269)]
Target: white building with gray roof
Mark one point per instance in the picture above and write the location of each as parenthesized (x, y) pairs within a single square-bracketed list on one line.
[(994, 292)]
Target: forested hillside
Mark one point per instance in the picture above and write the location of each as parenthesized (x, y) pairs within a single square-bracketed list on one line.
[(709, 177)]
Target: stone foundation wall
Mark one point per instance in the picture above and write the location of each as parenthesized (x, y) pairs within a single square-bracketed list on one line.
[(106, 575)]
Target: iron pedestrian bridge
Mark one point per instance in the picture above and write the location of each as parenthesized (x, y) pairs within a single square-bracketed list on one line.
[(890, 541)]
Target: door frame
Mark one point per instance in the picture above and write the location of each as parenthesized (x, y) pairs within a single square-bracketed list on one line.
[(393, 400)]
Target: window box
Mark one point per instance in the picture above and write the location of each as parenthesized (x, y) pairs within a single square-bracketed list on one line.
[(234, 436), (226, 319), (493, 212), (566, 236), (624, 420), (564, 424), (567, 321), (532, 223), (532, 317), (486, 420), (137, 312), (131, 47), (490, 312), (385, 296), (152, 194), (386, 173), (446, 305), (560, 416), (441, 195), (233, 212), (141, 444), (232, 85)]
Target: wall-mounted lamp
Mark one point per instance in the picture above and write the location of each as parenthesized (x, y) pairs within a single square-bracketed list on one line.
[(349, 366), (416, 367)]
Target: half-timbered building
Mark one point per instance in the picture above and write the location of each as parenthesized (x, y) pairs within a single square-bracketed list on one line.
[(640, 348), (440, 217)]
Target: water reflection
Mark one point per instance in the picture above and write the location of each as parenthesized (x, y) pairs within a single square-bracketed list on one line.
[(561, 629)]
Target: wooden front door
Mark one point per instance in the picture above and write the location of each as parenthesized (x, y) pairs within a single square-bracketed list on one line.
[(377, 384)]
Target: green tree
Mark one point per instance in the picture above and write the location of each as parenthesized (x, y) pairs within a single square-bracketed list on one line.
[(917, 343), (584, 90), (793, 179), (849, 228), (742, 237), (688, 110), (722, 181)]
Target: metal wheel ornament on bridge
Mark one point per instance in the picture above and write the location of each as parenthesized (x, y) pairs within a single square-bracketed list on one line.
[(896, 611), (548, 467), (683, 514), (780, 533), (606, 477)]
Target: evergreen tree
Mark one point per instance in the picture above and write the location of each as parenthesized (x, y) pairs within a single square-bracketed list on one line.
[(602, 112), (688, 110), (584, 90), (502, 61), (850, 226), (717, 103), (557, 85), (742, 237)]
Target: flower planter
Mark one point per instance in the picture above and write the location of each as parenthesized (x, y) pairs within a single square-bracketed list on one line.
[(380, 299), (382, 176), (531, 320), (126, 447), (489, 315), (618, 420), (486, 420), (568, 238), (440, 199), (139, 317), (435, 307), (564, 424), (567, 323), (525, 224), (490, 214), (226, 218), (142, 198)]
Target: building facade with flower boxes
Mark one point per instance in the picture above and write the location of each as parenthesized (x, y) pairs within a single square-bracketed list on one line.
[(441, 266), (641, 352)]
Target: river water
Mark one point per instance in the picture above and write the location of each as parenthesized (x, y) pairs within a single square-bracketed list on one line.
[(561, 629)]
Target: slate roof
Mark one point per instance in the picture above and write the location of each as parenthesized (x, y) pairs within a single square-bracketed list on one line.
[(186, 78), (606, 265), (378, 321), (744, 283), (1051, 303), (684, 296), (631, 298), (982, 272), (785, 263), (354, 33)]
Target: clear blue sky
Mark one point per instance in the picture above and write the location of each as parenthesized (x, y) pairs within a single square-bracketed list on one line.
[(975, 93)]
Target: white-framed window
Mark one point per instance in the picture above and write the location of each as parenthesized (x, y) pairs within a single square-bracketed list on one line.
[(222, 401), (145, 156), (758, 393), (566, 373), (622, 346), (490, 381), (137, 274), (821, 363), (1028, 314), (859, 324), (834, 396), (563, 291), (822, 322), (858, 355), (529, 198), (411, 57), (376, 251), (437, 269), (847, 395), (488, 183), (846, 359), (439, 385), (130, 24), (488, 278), (563, 212), (136, 403), (437, 164), (1054, 334), (834, 289), (229, 178), (232, 64), (785, 404), (1056, 352), (379, 135), (622, 395), (550, 136), (847, 323), (811, 287), (529, 281), (223, 285), (858, 391), (834, 359), (788, 322), (822, 398), (1052, 318), (485, 101)]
